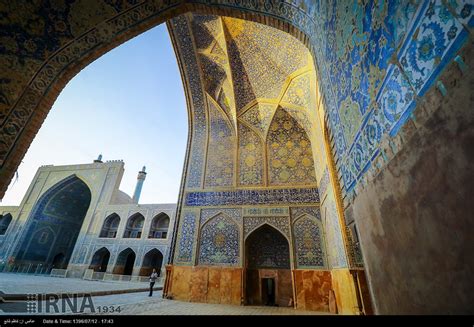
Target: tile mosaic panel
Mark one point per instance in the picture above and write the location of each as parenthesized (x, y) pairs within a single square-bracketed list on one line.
[(186, 238), (297, 212), (290, 158), (251, 157), (220, 151), (184, 43), (219, 242), (267, 248), (336, 249), (280, 223), (307, 236), (252, 197), (234, 213), (260, 116)]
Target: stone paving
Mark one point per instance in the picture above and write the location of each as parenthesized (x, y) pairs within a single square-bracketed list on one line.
[(141, 304), (138, 303), (24, 283)]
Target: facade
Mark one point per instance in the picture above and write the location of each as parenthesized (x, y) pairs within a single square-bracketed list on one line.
[(393, 167), (260, 219), (75, 218)]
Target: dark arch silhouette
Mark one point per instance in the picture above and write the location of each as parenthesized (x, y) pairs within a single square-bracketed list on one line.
[(54, 224), (134, 226), (267, 265), (100, 260), (266, 247), (159, 226), (110, 226), (5, 221), (152, 260), (58, 261), (125, 262)]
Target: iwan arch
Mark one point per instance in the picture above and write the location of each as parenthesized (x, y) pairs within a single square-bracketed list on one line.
[(382, 115), (75, 219)]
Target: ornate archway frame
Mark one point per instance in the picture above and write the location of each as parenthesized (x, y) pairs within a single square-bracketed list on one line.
[(21, 122)]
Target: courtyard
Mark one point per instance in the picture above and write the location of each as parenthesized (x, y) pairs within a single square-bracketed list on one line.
[(129, 302)]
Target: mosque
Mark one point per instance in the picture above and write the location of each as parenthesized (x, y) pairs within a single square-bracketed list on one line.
[(74, 221), (328, 164)]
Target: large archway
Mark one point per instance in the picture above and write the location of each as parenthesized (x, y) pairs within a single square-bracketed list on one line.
[(100, 260), (90, 32), (125, 262), (153, 259), (366, 74), (267, 268), (54, 225)]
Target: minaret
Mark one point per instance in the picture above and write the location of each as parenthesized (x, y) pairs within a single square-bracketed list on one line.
[(99, 159), (138, 189)]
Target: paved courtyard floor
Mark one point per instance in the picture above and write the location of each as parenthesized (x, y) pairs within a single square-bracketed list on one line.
[(24, 283), (141, 304), (137, 303)]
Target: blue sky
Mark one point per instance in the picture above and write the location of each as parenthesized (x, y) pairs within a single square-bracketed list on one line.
[(129, 104)]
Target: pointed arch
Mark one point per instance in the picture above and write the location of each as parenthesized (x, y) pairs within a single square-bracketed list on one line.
[(110, 226), (308, 238), (125, 262), (254, 223), (219, 241), (153, 259), (100, 260), (134, 226), (267, 247), (55, 223), (159, 226)]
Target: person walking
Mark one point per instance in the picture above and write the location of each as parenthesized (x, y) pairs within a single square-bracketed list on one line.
[(153, 277)]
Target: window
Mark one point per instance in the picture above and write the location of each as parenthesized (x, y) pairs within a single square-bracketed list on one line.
[(43, 238)]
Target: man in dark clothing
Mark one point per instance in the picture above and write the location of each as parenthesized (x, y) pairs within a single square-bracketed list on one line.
[(153, 277)]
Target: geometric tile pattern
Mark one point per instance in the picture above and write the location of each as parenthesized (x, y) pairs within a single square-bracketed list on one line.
[(290, 159), (260, 116), (298, 92), (251, 162), (199, 130), (185, 239), (220, 155), (307, 235), (279, 223), (235, 214), (219, 242), (267, 57), (374, 60), (297, 212), (354, 45)]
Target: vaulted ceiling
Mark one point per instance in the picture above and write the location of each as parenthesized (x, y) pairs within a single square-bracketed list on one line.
[(260, 99)]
